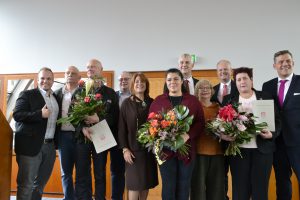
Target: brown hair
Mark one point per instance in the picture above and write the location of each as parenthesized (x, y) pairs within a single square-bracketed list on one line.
[(144, 79), (282, 52), (246, 70), (45, 69)]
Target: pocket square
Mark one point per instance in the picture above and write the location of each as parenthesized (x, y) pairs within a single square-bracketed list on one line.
[(296, 93)]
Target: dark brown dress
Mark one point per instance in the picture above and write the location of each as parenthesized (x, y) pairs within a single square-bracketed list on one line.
[(142, 174)]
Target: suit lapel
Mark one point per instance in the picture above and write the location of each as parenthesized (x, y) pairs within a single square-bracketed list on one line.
[(291, 90)]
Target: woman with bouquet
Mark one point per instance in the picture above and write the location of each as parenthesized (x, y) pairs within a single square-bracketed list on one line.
[(140, 167), (208, 173), (176, 171), (251, 171)]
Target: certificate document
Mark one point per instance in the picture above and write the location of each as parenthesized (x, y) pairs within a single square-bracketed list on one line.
[(102, 136), (264, 111)]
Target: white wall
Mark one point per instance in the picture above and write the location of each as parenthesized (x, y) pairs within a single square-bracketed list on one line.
[(146, 35)]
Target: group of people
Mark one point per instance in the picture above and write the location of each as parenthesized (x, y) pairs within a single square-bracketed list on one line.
[(202, 174)]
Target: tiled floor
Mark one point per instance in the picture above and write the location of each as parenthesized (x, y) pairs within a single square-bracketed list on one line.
[(44, 198)]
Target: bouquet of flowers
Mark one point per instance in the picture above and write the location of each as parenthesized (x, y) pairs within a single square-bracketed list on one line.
[(86, 103), (239, 125), (165, 130)]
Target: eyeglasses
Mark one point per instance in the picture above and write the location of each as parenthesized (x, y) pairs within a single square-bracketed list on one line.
[(204, 88), (123, 79)]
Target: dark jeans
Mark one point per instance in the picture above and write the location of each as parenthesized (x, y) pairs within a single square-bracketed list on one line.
[(67, 156), (176, 179), (285, 159), (83, 186)]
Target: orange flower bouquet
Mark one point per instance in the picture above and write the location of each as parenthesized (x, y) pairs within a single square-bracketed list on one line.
[(164, 130)]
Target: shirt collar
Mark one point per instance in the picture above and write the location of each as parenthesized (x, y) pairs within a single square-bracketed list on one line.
[(44, 93), (190, 79), (64, 90), (228, 83), (124, 93), (289, 78)]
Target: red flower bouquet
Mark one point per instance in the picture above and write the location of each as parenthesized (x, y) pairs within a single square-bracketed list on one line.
[(239, 125), (165, 130), (86, 103)]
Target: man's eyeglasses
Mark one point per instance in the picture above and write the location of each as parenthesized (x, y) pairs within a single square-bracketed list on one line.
[(123, 79)]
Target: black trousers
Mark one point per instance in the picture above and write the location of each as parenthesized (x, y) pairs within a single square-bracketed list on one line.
[(250, 174)]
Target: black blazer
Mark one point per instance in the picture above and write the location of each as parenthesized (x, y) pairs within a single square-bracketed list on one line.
[(290, 112), (233, 90), (111, 106), (30, 126), (264, 145)]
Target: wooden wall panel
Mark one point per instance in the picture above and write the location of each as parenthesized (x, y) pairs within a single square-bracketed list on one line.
[(6, 136), (157, 80)]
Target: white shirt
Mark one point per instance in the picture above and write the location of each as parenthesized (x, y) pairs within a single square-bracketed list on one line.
[(66, 102), (53, 107), (246, 106), (191, 85), (221, 89), (286, 86)]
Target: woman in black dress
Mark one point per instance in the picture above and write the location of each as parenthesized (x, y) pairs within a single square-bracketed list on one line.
[(141, 169)]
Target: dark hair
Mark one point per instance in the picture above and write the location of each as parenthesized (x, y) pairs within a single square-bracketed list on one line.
[(282, 52), (45, 69), (144, 79), (176, 71), (246, 70)]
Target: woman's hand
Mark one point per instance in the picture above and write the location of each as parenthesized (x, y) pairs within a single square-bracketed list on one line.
[(92, 119), (226, 137), (128, 156), (266, 134), (185, 137), (87, 133)]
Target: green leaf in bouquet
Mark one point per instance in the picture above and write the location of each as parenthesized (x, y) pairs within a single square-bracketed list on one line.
[(181, 111), (178, 142)]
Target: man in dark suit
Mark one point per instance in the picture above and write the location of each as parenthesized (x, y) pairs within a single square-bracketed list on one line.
[(86, 151), (224, 88), (35, 114), (186, 65), (226, 85), (66, 132), (285, 90)]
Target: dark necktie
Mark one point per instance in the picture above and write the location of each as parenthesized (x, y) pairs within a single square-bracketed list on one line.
[(186, 85), (281, 92)]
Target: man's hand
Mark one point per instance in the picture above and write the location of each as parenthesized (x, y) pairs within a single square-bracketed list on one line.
[(92, 119), (87, 133), (185, 137), (45, 112), (226, 137), (266, 134)]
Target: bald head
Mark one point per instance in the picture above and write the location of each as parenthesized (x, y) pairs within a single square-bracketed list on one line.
[(94, 68)]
